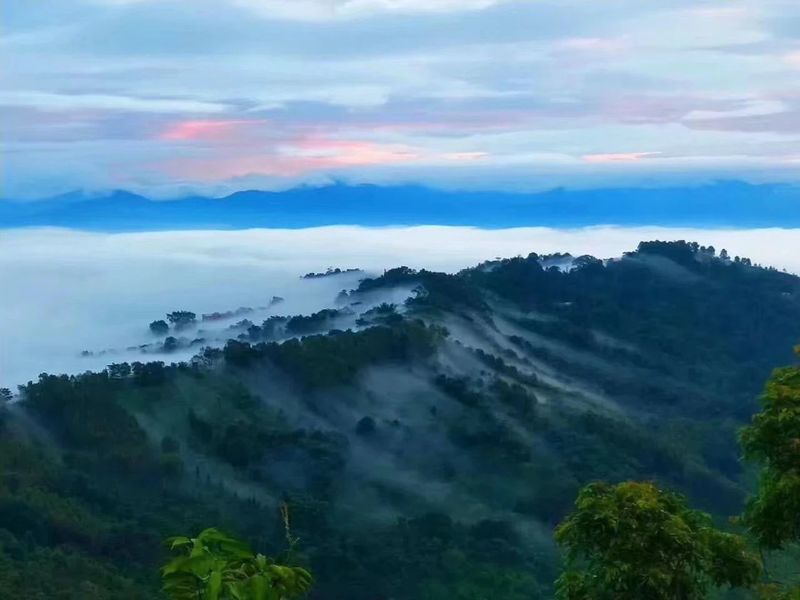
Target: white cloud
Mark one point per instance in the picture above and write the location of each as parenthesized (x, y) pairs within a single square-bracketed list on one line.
[(751, 108), (320, 10), (66, 102)]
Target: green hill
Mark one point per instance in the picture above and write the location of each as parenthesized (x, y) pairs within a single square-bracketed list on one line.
[(427, 451)]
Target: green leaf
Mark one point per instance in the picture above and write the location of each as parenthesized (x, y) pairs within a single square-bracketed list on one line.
[(214, 585)]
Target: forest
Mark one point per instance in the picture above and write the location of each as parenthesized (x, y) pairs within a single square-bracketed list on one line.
[(478, 441)]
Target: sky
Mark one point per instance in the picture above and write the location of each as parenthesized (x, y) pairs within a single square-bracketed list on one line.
[(175, 97)]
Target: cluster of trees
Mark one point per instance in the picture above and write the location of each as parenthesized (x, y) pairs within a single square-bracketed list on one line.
[(623, 542), (330, 271), (336, 357), (383, 314), (119, 487), (179, 320), (676, 303), (634, 540), (432, 291), (689, 252), (228, 314)]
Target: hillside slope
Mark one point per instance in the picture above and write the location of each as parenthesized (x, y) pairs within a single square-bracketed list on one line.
[(425, 449)]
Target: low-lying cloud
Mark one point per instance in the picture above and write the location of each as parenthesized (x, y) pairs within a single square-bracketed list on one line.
[(65, 291)]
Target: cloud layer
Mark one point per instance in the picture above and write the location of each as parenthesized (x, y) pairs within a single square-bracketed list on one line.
[(173, 96)]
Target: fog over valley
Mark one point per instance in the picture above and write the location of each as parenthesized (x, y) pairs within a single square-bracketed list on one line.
[(66, 292)]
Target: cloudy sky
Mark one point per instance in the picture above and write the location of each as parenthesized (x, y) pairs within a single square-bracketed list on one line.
[(169, 97)]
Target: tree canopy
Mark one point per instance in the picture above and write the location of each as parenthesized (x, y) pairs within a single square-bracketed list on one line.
[(633, 541), (159, 327), (182, 318), (773, 440)]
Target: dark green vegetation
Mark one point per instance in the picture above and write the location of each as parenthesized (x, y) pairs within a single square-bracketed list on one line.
[(425, 454), (330, 272), (772, 515), (773, 439), (635, 541), (215, 566)]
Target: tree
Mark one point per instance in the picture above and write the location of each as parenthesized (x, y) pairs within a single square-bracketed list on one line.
[(151, 373), (119, 370), (170, 344), (5, 396), (159, 327), (215, 566), (182, 319), (633, 541), (773, 440)]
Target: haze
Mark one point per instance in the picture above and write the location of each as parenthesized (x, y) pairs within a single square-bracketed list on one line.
[(66, 291)]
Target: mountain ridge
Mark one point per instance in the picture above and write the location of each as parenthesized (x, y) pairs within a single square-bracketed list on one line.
[(721, 204)]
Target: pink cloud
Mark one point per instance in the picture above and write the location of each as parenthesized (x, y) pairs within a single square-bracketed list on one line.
[(336, 152), (293, 158), (792, 58), (209, 130), (618, 157)]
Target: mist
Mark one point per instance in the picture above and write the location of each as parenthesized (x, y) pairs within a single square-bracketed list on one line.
[(66, 291)]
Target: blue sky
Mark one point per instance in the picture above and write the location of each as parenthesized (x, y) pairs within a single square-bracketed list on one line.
[(172, 97)]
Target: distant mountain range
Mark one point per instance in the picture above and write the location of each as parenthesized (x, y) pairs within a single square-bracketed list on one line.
[(722, 204)]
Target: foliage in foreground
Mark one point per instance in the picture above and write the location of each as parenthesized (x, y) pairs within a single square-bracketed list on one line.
[(215, 566), (634, 541), (773, 439)]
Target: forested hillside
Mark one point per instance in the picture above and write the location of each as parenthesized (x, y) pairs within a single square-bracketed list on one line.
[(425, 449)]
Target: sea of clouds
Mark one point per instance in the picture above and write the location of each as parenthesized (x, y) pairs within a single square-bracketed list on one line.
[(64, 291)]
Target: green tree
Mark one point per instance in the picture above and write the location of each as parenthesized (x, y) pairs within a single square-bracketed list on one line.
[(159, 327), (773, 440), (215, 566), (182, 319), (119, 370), (633, 540)]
